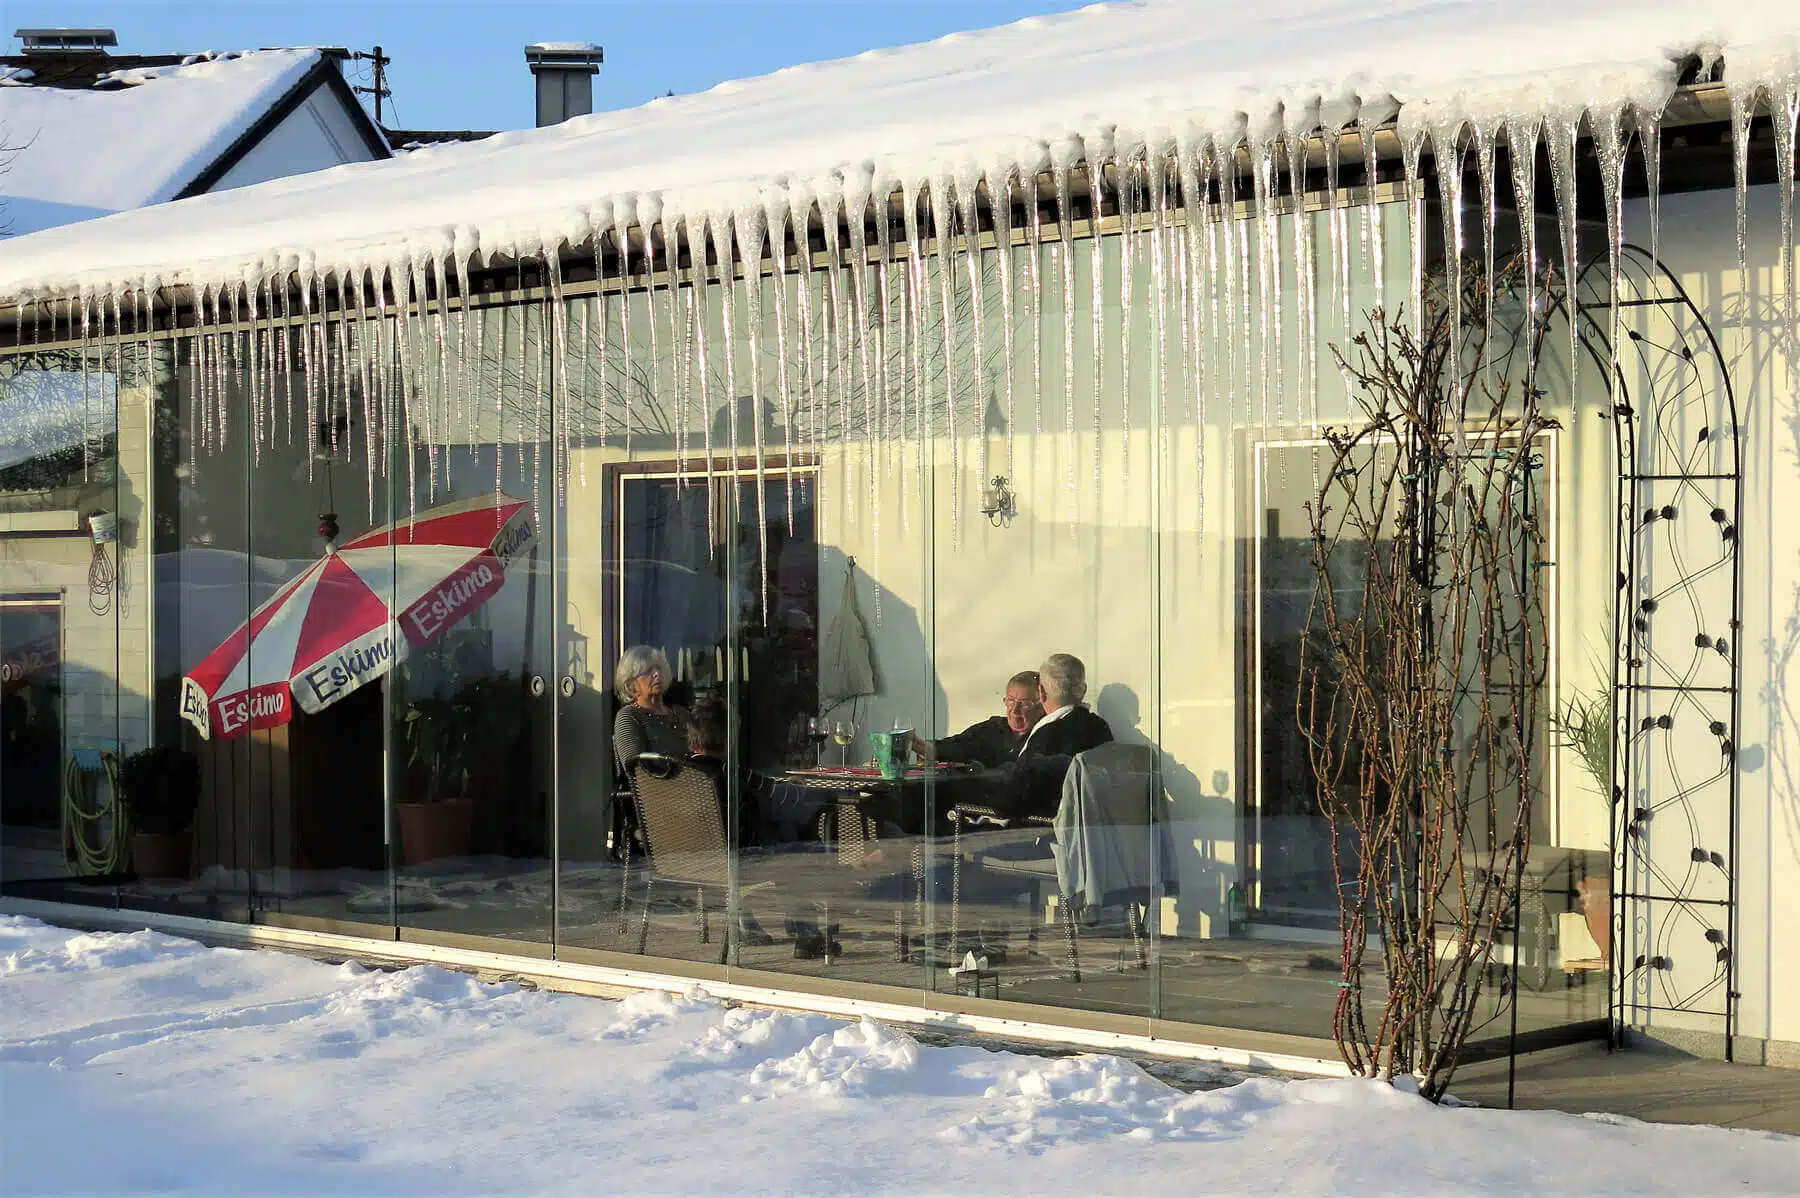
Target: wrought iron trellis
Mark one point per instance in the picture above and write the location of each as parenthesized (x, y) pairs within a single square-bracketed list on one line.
[(1676, 638)]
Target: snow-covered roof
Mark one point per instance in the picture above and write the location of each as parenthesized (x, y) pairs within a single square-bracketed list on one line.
[(137, 137), (1025, 96)]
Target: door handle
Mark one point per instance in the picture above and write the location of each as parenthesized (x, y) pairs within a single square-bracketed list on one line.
[(567, 686), (537, 686)]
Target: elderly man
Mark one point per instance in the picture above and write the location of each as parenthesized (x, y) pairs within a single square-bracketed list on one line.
[(1033, 784), (997, 739)]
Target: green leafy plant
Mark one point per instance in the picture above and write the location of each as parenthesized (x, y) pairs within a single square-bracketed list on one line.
[(452, 737), (1584, 725), (161, 789)]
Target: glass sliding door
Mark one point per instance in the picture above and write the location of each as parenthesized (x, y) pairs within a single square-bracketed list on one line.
[(471, 567)]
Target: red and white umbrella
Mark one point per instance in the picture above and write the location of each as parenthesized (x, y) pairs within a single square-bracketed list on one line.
[(333, 628)]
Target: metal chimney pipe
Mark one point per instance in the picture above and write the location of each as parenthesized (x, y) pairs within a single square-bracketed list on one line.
[(565, 78)]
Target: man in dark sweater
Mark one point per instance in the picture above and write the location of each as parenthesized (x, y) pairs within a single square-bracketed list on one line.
[(997, 739), (1032, 784)]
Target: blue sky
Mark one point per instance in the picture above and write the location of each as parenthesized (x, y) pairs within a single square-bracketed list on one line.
[(460, 64)]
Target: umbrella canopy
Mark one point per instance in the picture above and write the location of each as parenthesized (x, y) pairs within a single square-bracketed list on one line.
[(332, 629)]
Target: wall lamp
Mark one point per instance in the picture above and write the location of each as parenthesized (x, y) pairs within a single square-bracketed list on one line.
[(998, 503)]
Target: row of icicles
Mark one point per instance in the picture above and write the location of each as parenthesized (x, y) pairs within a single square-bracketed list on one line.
[(892, 330)]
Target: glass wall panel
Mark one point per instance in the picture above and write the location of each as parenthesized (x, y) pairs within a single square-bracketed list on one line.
[(73, 672), (471, 568), (1053, 852)]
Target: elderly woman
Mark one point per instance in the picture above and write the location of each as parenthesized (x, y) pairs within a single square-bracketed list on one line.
[(646, 724)]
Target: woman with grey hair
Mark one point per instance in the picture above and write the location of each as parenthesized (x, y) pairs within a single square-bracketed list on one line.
[(646, 723)]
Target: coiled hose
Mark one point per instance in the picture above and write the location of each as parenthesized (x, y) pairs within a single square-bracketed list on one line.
[(97, 833)]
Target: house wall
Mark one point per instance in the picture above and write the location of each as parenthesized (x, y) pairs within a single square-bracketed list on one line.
[(106, 653), (1752, 318), (320, 133)]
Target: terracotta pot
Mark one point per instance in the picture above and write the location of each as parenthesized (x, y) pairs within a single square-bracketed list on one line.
[(162, 855), (431, 831), (1596, 907)]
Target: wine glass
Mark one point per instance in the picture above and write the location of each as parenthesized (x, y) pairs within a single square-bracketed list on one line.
[(841, 736), (818, 731)]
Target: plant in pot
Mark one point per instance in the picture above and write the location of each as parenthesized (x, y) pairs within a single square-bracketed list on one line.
[(439, 741), (1584, 726), (161, 790)]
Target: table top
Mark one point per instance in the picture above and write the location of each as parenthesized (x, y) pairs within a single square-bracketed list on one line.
[(865, 777)]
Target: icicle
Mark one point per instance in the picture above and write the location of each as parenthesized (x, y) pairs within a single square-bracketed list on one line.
[(1610, 141), (1000, 202), (465, 379), (1521, 141), (602, 372), (1485, 137), (838, 373), (1096, 173), (884, 380), (1156, 164), (1786, 114), (944, 226), (749, 227), (1065, 231), (649, 213), (918, 306), (1197, 170), (1305, 276), (1743, 111), (1373, 242), (775, 218), (1129, 181), (800, 216), (1559, 137), (1337, 229), (975, 261), (628, 374), (1649, 126), (559, 343), (679, 379), (724, 241), (1268, 277), (856, 204), (1034, 282), (698, 248), (1447, 149), (439, 322), (1412, 147)]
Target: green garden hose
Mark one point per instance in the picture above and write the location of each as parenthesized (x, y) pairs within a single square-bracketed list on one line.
[(97, 833)]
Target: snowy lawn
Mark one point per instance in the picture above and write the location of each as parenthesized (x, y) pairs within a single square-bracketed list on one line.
[(146, 1062)]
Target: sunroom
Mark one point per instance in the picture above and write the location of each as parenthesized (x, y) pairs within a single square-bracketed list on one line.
[(1398, 446)]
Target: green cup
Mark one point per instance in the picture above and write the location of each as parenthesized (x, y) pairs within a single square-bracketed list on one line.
[(893, 751)]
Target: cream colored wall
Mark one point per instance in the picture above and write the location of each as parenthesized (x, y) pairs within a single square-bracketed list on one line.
[(106, 657), (1752, 319)]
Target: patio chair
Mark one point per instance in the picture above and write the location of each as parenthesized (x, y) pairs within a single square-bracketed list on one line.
[(1107, 846), (684, 831)]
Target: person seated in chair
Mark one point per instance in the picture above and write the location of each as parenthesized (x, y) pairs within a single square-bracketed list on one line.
[(706, 753), (997, 739), (1032, 784), (706, 750)]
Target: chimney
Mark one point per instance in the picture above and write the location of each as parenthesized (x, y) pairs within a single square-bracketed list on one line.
[(565, 79), (66, 41)]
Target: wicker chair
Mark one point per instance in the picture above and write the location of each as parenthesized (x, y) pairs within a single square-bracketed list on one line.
[(684, 829)]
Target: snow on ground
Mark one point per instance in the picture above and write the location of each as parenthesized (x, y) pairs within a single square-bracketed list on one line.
[(143, 1062)]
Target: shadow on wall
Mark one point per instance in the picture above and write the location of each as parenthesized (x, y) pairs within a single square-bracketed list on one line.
[(1201, 817), (909, 693)]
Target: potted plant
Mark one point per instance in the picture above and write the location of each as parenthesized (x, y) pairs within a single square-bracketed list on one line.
[(436, 825), (1584, 726), (161, 790), (451, 741)]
